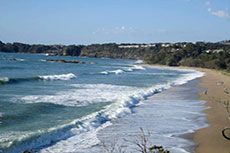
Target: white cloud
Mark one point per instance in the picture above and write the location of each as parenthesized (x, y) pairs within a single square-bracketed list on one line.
[(220, 14)]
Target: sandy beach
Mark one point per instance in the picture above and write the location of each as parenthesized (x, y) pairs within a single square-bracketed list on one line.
[(210, 139), (216, 86), (166, 127)]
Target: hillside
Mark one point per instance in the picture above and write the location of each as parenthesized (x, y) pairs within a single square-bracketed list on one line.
[(200, 54)]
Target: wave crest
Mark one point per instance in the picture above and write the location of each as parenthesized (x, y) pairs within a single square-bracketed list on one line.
[(123, 99), (64, 77), (58, 77), (4, 80), (126, 69)]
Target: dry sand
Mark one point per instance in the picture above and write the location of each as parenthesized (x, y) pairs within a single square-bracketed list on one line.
[(210, 139)]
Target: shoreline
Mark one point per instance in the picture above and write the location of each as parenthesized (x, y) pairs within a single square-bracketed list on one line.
[(216, 114), (153, 114), (210, 139)]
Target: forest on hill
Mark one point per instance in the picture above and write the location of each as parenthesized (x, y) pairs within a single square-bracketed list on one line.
[(199, 54)]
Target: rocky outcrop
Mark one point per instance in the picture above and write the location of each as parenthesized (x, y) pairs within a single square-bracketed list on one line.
[(65, 61), (12, 59)]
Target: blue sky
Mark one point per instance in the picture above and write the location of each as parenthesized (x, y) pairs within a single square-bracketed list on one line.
[(120, 21)]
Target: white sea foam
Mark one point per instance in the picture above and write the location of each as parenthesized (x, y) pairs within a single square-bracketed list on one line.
[(94, 93), (78, 142), (89, 125), (4, 79), (123, 70), (119, 71), (86, 94), (117, 110), (139, 62), (20, 59), (104, 72), (184, 78), (58, 77), (123, 99), (138, 67), (190, 75)]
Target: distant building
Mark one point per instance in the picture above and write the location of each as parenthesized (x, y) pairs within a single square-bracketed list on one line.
[(129, 46), (214, 51), (166, 45), (137, 46)]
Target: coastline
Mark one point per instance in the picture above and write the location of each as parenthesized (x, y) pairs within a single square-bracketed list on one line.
[(210, 139), (153, 115), (166, 127), (183, 96)]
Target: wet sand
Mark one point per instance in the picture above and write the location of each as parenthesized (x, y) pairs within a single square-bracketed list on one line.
[(210, 139), (217, 88)]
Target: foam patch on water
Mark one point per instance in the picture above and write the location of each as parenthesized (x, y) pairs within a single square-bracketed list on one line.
[(78, 142), (85, 94), (138, 67), (126, 69), (20, 59), (139, 62), (58, 77), (123, 104), (4, 79), (190, 75), (119, 71), (64, 77), (69, 136), (118, 110)]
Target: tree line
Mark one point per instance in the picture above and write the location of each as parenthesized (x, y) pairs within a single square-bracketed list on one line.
[(199, 54)]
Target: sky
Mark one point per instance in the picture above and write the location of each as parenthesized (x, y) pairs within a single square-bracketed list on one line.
[(113, 21)]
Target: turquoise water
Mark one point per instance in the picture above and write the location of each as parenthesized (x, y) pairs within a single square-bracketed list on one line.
[(42, 103)]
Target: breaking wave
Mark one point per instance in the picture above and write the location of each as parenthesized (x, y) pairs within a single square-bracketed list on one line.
[(58, 77), (126, 69), (122, 98), (139, 62), (6, 80)]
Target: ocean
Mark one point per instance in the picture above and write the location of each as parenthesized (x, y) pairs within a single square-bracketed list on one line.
[(62, 107)]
